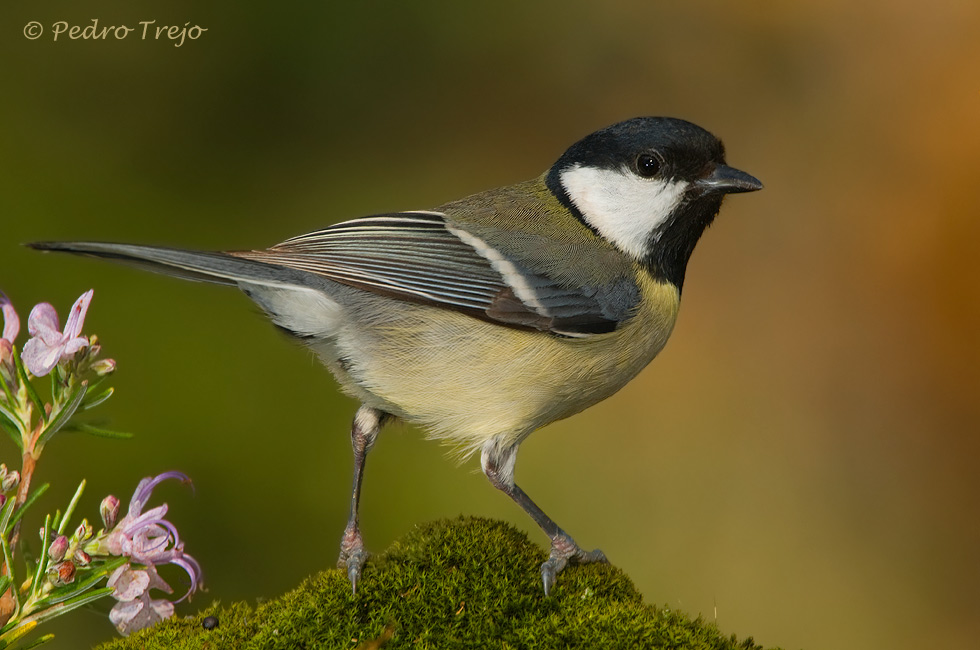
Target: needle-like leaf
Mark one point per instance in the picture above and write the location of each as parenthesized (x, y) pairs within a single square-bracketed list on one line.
[(61, 417), (27, 504)]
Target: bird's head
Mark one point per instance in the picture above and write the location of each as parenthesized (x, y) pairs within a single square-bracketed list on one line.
[(649, 186)]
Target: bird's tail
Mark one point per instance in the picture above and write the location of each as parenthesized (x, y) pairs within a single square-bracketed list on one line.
[(201, 266)]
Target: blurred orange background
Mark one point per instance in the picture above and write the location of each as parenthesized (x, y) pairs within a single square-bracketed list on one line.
[(800, 463)]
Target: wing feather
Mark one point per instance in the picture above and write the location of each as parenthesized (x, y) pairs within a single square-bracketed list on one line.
[(417, 256)]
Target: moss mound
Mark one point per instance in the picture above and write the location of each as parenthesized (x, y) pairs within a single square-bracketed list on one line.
[(464, 583)]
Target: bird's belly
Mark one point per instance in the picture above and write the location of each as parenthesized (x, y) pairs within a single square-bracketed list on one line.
[(465, 380)]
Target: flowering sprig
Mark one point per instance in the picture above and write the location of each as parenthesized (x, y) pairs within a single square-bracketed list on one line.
[(151, 541), (122, 556), (68, 357), (80, 566)]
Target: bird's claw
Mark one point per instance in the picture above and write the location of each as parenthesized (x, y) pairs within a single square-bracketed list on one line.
[(549, 572), (588, 557), (565, 550), (354, 563), (352, 557)]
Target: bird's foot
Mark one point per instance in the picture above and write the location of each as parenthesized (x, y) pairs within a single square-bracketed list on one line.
[(353, 555), (565, 550)]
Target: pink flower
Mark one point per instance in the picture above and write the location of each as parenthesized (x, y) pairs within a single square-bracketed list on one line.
[(148, 539), (135, 609), (11, 328), (139, 613), (49, 345), (130, 583)]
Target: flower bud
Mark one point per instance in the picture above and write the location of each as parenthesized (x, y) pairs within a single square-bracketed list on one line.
[(104, 367), (82, 558), (110, 511), (57, 549), (82, 533), (10, 481), (66, 572), (3, 471)]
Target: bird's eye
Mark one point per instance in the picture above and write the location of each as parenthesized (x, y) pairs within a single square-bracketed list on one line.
[(648, 165)]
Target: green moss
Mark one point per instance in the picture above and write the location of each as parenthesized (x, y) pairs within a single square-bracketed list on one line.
[(464, 583)]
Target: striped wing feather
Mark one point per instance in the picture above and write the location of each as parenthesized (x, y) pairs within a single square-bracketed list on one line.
[(413, 256)]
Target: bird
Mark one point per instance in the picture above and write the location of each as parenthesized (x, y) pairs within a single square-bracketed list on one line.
[(488, 317)]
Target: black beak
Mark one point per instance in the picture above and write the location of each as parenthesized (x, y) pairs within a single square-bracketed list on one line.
[(728, 180)]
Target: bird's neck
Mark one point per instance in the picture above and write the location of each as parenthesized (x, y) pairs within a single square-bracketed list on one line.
[(671, 246)]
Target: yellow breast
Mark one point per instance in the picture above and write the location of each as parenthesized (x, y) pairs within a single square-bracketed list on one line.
[(465, 380)]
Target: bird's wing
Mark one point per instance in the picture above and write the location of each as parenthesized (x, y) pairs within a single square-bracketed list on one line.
[(420, 257)]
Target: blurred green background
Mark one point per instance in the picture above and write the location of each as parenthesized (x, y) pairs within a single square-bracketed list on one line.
[(800, 463)]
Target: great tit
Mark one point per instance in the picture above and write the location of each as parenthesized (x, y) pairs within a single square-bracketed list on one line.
[(494, 315)]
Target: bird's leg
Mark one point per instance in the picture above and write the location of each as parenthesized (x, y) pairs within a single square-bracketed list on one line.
[(364, 431), (498, 464)]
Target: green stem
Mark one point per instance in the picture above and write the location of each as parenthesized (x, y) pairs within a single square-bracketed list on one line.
[(26, 474)]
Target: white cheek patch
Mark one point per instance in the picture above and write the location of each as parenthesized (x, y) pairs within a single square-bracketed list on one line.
[(623, 207)]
